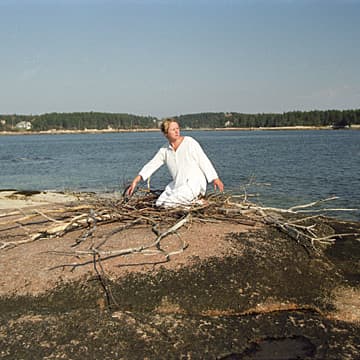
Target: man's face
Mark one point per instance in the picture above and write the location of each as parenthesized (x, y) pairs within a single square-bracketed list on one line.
[(173, 131)]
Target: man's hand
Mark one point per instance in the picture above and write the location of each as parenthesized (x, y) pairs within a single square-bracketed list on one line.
[(218, 184), (133, 185)]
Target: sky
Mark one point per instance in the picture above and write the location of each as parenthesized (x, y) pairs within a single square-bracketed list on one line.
[(171, 57)]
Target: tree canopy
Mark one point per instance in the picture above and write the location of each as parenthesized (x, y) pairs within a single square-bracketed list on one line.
[(121, 121)]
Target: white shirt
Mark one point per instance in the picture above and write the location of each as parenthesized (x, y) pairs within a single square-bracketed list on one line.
[(188, 165)]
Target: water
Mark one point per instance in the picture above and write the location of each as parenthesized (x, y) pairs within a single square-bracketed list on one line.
[(282, 168)]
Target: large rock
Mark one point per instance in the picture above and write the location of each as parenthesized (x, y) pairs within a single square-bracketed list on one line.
[(267, 297)]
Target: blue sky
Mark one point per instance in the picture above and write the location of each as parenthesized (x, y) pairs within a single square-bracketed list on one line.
[(172, 57)]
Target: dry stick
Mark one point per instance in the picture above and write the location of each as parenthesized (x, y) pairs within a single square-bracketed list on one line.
[(139, 249), (103, 280), (60, 229), (47, 217), (64, 227), (324, 210), (183, 247), (12, 244), (10, 228), (312, 203), (305, 219), (68, 209), (27, 217), (330, 238), (13, 213), (73, 266), (293, 210)]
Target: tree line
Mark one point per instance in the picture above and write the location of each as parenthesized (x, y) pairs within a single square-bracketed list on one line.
[(78, 121), (100, 120), (336, 118)]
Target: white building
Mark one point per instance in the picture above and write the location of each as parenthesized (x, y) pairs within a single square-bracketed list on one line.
[(23, 125)]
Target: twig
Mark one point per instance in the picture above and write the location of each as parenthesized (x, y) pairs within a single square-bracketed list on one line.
[(315, 203)]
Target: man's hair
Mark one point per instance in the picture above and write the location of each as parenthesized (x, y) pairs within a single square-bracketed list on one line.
[(166, 123)]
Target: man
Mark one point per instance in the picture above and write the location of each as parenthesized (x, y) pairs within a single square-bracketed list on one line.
[(189, 167)]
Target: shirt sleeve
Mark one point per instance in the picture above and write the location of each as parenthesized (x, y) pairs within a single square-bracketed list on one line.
[(155, 163), (204, 163)]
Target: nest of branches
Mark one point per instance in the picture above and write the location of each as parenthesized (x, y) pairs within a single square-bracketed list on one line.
[(94, 211)]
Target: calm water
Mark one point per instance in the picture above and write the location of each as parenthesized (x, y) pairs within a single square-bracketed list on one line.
[(284, 168)]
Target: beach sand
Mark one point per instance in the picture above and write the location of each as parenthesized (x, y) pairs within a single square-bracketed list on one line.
[(13, 199)]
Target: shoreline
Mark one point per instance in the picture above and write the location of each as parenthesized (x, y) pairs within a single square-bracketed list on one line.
[(103, 131)]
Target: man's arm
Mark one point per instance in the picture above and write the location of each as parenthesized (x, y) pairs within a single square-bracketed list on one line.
[(147, 170)]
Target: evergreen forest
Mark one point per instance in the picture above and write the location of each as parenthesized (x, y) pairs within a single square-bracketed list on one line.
[(208, 120)]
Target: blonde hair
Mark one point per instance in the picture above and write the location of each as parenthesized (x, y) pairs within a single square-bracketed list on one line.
[(166, 123)]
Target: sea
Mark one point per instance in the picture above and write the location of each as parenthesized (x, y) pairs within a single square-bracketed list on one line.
[(281, 168)]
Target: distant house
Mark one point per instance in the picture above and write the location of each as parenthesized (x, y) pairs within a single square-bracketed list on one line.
[(3, 122), (23, 125)]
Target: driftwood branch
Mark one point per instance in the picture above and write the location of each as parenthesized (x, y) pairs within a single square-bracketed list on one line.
[(303, 234)]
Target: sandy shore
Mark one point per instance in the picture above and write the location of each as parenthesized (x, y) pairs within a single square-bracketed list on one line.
[(98, 131), (12, 199)]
